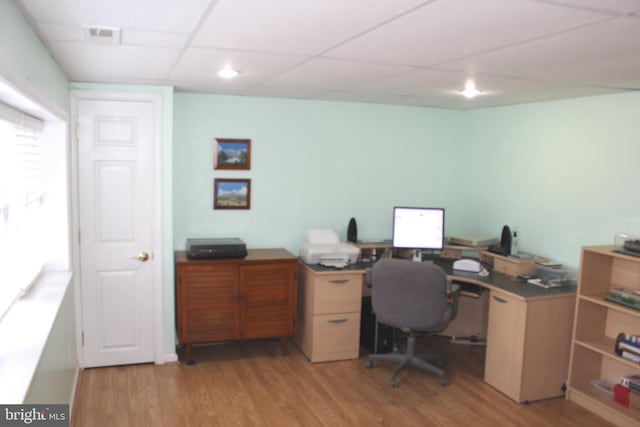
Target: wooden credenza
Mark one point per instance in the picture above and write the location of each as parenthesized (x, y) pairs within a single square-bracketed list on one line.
[(235, 299)]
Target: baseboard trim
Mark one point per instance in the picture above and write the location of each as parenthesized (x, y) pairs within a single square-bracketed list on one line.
[(170, 358)]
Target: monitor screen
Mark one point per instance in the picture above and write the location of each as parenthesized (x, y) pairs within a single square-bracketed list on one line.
[(418, 228)]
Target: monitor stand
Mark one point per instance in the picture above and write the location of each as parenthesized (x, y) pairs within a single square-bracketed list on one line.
[(417, 255)]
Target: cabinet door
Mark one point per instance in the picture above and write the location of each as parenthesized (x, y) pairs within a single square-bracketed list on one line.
[(267, 295), (207, 305), (505, 343)]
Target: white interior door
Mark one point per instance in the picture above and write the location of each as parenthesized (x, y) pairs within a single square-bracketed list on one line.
[(115, 199)]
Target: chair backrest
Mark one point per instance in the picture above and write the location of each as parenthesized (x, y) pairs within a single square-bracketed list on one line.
[(410, 295)]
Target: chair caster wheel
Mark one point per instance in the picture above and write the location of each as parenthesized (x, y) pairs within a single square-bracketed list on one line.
[(394, 383), (444, 382), (369, 364)]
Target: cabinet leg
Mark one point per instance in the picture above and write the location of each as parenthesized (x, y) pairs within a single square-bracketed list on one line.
[(189, 355), (283, 343)]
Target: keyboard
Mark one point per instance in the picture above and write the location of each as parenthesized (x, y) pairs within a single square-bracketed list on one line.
[(470, 289)]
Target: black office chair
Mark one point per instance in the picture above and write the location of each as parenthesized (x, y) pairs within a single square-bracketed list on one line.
[(414, 297)]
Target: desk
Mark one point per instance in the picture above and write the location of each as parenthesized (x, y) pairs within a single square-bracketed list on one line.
[(528, 334)]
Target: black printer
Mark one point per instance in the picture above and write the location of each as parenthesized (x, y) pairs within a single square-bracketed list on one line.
[(216, 248)]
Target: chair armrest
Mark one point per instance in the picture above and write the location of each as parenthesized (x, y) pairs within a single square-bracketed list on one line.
[(367, 278)]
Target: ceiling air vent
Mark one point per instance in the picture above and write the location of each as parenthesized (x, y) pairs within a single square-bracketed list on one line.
[(102, 35)]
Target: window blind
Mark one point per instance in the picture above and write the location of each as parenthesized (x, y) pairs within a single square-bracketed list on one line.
[(20, 199)]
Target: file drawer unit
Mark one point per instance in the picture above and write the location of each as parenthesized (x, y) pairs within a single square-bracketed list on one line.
[(329, 304)]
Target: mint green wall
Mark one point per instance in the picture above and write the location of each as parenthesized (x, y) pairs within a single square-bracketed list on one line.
[(26, 63), (314, 164), (563, 174)]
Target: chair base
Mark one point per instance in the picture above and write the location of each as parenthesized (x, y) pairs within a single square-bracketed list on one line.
[(410, 358)]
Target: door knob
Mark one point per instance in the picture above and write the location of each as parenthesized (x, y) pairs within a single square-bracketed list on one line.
[(142, 257)]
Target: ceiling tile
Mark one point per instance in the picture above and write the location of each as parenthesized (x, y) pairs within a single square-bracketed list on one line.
[(170, 16), (546, 57), (620, 6), (450, 29), (292, 26), (620, 72), (56, 32), (416, 82), (208, 86), (328, 74), (282, 92), (105, 63), (407, 52), (430, 87), (201, 63), (153, 38)]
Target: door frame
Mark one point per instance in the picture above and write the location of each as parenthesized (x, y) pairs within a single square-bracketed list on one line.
[(157, 218)]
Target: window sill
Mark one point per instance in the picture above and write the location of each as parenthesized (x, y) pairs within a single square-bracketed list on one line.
[(24, 332)]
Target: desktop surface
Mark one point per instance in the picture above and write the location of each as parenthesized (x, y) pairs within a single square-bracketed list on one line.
[(494, 280)]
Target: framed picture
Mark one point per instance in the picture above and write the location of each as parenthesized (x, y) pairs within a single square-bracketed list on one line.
[(231, 193), (232, 154)]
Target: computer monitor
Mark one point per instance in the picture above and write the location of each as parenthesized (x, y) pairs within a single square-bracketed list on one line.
[(418, 229)]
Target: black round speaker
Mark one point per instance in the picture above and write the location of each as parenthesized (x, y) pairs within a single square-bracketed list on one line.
[(505, 240), (352, 231)]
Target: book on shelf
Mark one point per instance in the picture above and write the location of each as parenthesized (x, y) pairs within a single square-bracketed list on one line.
[(630, 346), (633, 382), (634, 388), (632, 356)]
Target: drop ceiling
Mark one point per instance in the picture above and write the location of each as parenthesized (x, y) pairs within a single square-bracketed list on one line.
[(406, 52)]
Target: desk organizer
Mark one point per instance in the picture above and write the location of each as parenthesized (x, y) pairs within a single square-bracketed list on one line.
[(509, 265)]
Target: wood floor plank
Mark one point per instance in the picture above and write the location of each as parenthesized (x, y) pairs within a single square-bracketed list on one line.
[(252, 384)]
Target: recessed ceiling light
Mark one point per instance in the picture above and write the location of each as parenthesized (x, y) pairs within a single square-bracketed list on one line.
[(470, 90), (227, 73)]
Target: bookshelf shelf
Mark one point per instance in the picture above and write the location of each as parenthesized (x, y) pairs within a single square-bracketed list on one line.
[(597, 324), (600, 299)]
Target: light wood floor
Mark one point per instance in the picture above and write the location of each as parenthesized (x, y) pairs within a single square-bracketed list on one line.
[(252, 384)]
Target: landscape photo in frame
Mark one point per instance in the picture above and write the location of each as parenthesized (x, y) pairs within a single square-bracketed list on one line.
[(231, 193), (232, 154)]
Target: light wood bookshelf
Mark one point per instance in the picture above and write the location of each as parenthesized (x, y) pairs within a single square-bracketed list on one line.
[(597, 323)]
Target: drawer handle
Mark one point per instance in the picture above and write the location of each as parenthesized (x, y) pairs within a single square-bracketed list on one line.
[(338, 320), (338, 282), (500, 299)]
